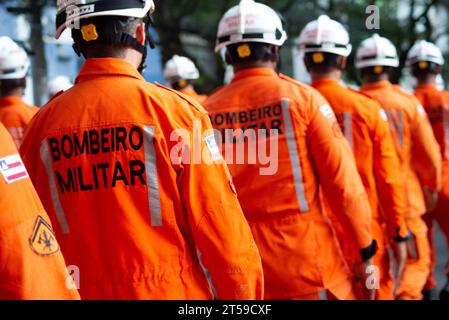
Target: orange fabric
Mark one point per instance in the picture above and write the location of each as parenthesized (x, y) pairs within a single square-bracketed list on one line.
[(368, 133), (383, 262), (139, 223), (193, 94), (415, 143), (24, 273), (15, 115), (418, 265), (436, 104), (299, 252)]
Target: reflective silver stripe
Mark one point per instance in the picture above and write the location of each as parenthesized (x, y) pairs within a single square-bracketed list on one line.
[(207, 274), (154, 198), (322, 295), (348, 129), (294, 157), (401, 128), (48, 163), (446, 129)]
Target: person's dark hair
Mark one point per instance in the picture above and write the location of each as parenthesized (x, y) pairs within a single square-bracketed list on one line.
[(377, 71), (251, 52), (181, 84), (108, 36), (8, 85), (424, 68), (322, 62)]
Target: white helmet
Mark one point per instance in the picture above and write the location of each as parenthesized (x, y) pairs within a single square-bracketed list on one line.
[(325, 35), (180, 68), (71, 11), (250, 22), (14, 62), (377, 51), (425, 51), (58, 84)]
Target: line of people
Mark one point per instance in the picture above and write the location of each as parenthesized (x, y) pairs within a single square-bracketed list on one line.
[(357, 170)]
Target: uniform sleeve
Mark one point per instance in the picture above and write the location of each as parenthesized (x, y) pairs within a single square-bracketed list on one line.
[(339, 178), (390, 186), (427, 160), (31, 265), (220, 230)]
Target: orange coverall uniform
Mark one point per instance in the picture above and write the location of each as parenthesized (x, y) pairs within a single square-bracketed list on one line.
[(193, 94), (420, 164), (436, 104), (31, 264), (366, 128), (15, 115), (138, 222), (300, 254)]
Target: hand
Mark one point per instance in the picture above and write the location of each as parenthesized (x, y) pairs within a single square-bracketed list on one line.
[(431, 198), (400, 254)]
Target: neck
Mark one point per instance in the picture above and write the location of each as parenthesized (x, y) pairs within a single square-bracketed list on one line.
[(368, 79), (258, 64), (331, 75), (428, 79), (17, 92)]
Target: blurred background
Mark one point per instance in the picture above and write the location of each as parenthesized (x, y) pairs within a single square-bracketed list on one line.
[(188, 27)]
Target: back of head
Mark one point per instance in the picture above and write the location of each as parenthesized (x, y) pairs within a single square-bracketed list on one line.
[(425, 59), (58, 84), (251, 32), (376, 58), (180, 72), (104, 28), (14, 66), (325, 44)]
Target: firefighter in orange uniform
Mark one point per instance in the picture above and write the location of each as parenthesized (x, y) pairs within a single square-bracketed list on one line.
[(31, 264), (416, 147), (325, 43), (279, 188), (426, 61), (115, 161), (15, 114), (180, 73)]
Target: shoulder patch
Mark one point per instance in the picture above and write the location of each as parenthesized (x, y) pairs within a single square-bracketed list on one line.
[(213, 148), (421, 110), (43, 240), (13, 169), (327, 111)]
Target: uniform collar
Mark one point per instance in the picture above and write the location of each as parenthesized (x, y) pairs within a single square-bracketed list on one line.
[(254, 72), (8, 101), (107, 67), (326, 82), (376, 85), (427, 86)]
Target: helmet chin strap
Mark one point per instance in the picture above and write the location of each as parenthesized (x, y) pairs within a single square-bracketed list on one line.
[(149, 41), (114, 37)]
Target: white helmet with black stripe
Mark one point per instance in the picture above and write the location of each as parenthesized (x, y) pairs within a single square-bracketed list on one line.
[(250, 22), (424, 51), (377, 51), (180, 68), (325, 35), (14, 61), (72, 11)]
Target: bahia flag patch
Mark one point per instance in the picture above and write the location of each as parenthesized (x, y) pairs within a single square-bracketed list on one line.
[(13, 169)]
